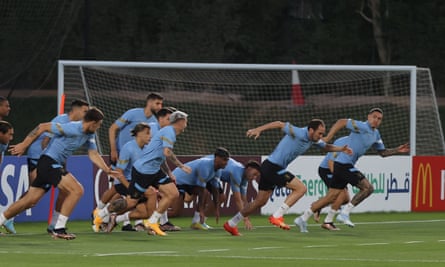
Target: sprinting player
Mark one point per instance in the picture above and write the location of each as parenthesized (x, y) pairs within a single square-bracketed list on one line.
[(78, 110), (122, 127), (273, 170), (129, 119), (194, 184), (5, 108), (364, 134), (151, 170), (67, 138), (325, 171), (6, 135), (238, 176), (163, 116), (162, 119), (130, 152)]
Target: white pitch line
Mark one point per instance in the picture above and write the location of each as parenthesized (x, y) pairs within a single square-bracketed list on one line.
[(337, 259), (134, 253), (321, 246), (372, 244), (331, 260), (365, 223), (214, 250), (414, 242), (263, 248), (397, 222)]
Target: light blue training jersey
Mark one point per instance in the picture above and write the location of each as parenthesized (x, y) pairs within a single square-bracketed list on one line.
[(361, 138), (35, 149), (154, 127), (153, 154), (332, 155), (203, 171), (294, 143), (68, 137), (233, 174), (128, 155), (127, 122)]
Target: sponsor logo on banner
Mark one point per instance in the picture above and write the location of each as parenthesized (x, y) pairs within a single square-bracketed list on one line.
[(390, 177), (14, 183), (429, 183), (425, 175)]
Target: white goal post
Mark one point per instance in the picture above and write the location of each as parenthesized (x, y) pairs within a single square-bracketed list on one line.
[(224, 100)]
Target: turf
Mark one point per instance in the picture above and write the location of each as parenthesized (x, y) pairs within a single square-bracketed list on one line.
[(379, 239)]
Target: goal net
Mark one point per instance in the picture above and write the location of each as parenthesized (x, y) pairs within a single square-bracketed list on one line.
[(225, 100)]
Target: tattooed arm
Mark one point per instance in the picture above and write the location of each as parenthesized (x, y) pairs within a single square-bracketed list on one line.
[(166, 169), (392, 151), (168, 152), (20, 148)]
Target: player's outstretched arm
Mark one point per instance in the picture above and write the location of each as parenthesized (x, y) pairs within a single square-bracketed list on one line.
[(168, 153), (338, 125), (97, 159), (334, 148), (392, 151), (255, 132), (20, 148)]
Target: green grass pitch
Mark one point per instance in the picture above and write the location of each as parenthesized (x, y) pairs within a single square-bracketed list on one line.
[(379, 239)]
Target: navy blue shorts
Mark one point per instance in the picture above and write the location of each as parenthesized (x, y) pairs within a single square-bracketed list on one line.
[(325, 175), (273, 175), (32, 164), (345, 174), (49, 173), (140, 182)]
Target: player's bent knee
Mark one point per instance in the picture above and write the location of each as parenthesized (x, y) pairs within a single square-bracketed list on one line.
[(175, 194), (370, 189), (80, 191), (297, 186), (302, 189)]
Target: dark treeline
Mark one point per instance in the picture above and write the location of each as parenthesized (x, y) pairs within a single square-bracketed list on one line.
[(35, 33)]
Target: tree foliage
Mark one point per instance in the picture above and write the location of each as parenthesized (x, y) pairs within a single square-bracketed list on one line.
[(35, 33)]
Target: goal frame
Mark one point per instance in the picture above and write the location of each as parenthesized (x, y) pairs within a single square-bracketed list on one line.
[(282, 67)]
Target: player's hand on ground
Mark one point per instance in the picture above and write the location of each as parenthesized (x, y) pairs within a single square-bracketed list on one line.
[(247, 223), (17, 150)]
